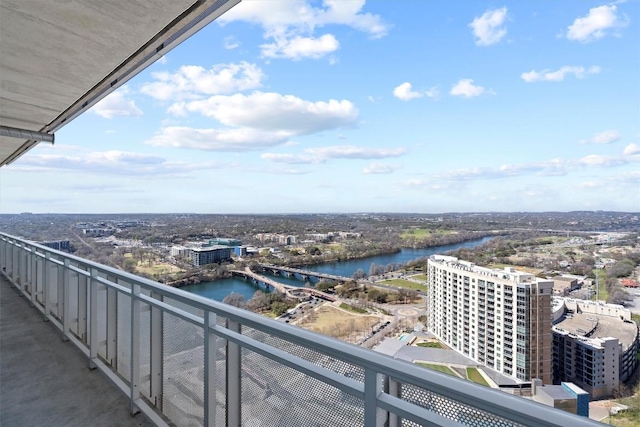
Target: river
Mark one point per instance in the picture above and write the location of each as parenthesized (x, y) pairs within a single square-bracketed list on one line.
[(219, 289)]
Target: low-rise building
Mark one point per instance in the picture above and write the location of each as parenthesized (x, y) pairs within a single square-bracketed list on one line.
[(59, 245), (210, 255)]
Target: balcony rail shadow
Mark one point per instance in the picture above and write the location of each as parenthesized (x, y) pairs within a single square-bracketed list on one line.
[(186, 360)]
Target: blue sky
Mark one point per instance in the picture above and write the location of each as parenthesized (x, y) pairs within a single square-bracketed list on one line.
[(353, 106)]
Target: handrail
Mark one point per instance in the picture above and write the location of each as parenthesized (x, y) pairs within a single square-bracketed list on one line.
[(137, 315)]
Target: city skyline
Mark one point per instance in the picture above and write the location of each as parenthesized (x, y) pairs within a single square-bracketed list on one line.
[(296, 106)]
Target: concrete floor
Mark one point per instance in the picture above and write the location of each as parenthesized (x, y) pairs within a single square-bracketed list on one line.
[(45, 381)]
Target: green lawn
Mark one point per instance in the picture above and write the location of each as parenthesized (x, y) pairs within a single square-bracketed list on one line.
[(602, 284), (441, 368), (474, 375), (401, 283), (429, 344), (423, 233), (422, 277), (352, 308)]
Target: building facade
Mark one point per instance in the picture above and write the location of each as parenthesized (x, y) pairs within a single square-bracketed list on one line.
[(499, 318), (59, 245), (210, 255), (595, 345)]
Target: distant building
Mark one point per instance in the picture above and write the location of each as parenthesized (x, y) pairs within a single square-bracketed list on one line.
[(240, 251), (499, 318), (59, 245), (594, 345), (210, 255), (562, 285), (180, 251), (224, 242), (98, 232)]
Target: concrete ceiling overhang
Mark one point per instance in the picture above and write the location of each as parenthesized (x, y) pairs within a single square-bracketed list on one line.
[(59, 57)]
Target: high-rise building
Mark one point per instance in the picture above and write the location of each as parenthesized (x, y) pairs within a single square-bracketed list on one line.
[(499, 318)]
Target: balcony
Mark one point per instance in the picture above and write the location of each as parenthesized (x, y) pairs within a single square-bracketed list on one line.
[(181, 359)]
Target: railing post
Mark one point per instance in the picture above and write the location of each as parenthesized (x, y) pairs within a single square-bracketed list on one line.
[(234, 377), (156, 353), (45, 286), (372, 388), (112, 326), (33, 280), (135, 347), (210, 355), (93, 319), (23, 268), (83, 281), (66, 305), (392, 388)]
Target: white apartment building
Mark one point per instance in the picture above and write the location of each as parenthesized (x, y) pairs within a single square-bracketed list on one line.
[(499, 318)]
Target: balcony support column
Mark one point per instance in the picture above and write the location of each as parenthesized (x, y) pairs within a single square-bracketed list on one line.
[(33, 279), (66, 298), (372, 389), (82, 306), (46, 275), (93, 319), (392, 387), (135, 347), (156, 353), (210, 355), (112, 326), (234, 378)]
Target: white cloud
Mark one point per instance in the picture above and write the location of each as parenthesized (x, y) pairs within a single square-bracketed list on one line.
[(606, 137), (466, 88), (488, 28), (597, 160), (291, 24), (117, 104), (380, 168), (632, 149), (111, 162), (354, 152), (192, 81), (317, 155), (299, 47), (232, 140), (596, 24), (405, 92), (273, 112), (291, 158), (230, 43), (558, 75)]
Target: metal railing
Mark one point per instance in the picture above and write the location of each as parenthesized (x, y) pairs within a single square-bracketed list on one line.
[(186, 360)]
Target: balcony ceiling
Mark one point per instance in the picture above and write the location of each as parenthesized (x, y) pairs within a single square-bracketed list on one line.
[(59, 57)]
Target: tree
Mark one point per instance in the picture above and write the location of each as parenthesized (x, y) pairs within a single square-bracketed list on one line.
[(258, 302), (325, 285), (235, 299), (278, 308), (359, 274)]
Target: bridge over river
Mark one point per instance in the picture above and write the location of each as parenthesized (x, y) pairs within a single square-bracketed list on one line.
[(288, 290), (276, 269)]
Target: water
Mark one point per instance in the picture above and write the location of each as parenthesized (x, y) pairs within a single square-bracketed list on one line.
[(347, 268), (221, 288)]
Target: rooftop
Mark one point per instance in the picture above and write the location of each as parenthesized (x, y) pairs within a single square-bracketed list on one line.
[(598, 326)]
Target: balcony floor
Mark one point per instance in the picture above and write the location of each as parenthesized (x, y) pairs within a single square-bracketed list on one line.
[(45, 381)]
